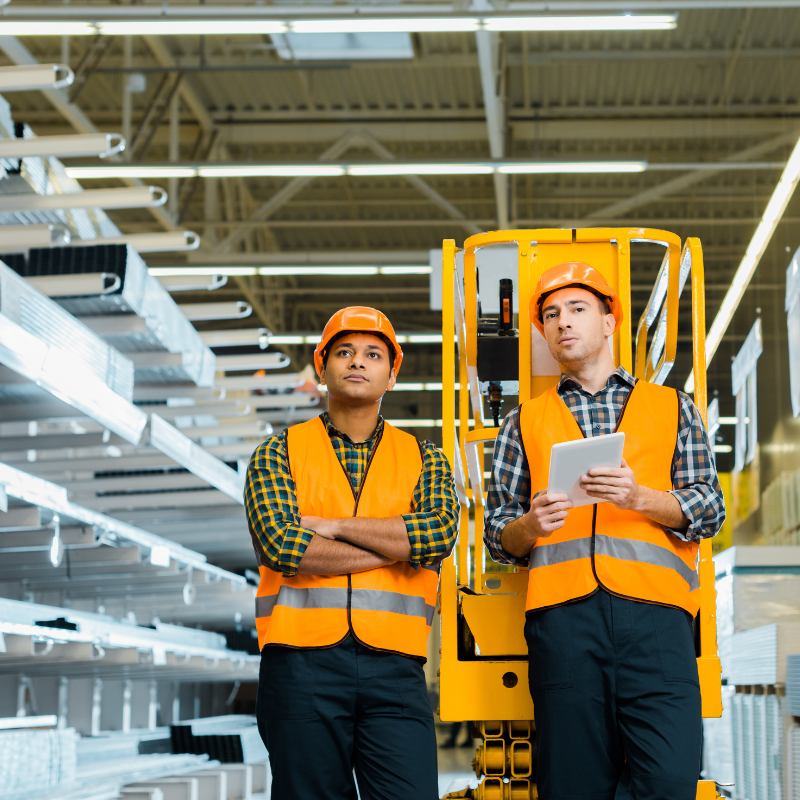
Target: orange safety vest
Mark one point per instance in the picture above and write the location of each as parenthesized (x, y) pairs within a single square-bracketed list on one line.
[(389, 608), (600, 545)]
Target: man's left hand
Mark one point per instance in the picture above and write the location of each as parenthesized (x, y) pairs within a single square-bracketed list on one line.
[(321, 526), (617, 486)]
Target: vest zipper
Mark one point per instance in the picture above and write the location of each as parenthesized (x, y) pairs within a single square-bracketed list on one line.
[(357, 498)]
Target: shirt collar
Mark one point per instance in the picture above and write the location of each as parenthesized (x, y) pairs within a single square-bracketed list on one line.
[(333, 431), (619, 375)]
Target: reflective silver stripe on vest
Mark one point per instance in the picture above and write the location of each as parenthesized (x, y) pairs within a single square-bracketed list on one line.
[(546, 554), (324, 597), (392, 602), (646, 553), (623, 549), (332, 598)]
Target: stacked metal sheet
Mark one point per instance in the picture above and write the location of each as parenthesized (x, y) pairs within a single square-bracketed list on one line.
[(165, 326), (793, 685), (31, 758), (232, 739), (794, 777), (758, 656), (757, 746), (718, 742), (755, 586)]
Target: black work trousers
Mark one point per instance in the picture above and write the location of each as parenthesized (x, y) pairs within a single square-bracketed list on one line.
[(616, 699), (325, 712)]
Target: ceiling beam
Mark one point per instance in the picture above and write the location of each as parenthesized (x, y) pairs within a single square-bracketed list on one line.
[(282, 196), (494, 108), (422, 185), (690, 179)]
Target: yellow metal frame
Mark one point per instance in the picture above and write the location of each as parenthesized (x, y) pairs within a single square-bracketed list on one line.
[(497, 688)]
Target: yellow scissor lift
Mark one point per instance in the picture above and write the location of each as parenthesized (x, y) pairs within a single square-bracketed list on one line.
[(484, 668)]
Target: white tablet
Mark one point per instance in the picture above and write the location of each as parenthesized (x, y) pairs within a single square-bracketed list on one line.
[(570, 460)]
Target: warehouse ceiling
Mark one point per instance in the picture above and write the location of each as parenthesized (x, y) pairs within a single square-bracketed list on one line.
[(721, 89)]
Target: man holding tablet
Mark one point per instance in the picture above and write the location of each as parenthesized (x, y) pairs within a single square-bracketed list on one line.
[(613, 586)]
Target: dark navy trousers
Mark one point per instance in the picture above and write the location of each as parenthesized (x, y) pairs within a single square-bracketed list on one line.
[(616, 699), (326, 712)]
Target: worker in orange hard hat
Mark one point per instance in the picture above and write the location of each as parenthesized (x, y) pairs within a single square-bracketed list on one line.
[(350, 518), (612, 584)]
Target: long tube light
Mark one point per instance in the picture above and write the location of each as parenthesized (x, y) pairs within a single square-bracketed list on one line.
[(204, 24), (388, 169), (399, 269), (755, 250), (128, 197)]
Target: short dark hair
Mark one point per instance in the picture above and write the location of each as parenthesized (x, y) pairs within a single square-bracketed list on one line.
[(604, 307), (385, 339)]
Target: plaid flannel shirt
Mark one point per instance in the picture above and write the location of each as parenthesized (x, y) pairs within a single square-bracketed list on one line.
[(274, 519), (694, 474)]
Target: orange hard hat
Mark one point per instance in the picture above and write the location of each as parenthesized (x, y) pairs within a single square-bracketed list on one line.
[(360, 319), (572, 273)]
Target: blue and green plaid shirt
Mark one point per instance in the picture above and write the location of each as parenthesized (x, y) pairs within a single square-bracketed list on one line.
[(694, 474), (274, 519)]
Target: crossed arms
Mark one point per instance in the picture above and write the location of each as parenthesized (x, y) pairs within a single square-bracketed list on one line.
[(286, 542)]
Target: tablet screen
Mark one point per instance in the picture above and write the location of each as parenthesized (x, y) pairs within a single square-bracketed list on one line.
[(570, 460)]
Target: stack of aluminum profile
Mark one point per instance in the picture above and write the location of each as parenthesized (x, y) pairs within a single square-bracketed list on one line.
[(757, 746), (165, 325), (755, 586), (34, 758), (46, 176), (793, 685), (45, 320), (758, 656), (794, 778), (232, 739)]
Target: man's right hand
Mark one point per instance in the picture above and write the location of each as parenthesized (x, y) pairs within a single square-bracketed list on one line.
[(546, 514)]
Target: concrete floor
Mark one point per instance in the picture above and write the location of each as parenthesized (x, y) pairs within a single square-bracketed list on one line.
[(455, 767)]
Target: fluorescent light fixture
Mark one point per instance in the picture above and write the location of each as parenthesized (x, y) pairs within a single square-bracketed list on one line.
[(49, 28), (367, 170), (420, 387), (192, 27), (172, 272), (387, 25), (34, 76), (722, 448), (571, 167), (175, 272), (291, 339), (70, 146), (426, 338), (755, 250), (388, 169), (233, 26), (121, 171), (588, 22), (318, 270), (273, 171)]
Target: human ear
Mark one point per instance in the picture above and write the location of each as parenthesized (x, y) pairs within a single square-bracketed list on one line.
[(392, 380)]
